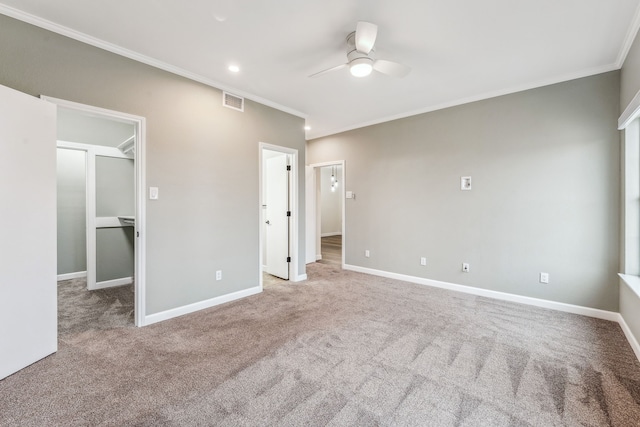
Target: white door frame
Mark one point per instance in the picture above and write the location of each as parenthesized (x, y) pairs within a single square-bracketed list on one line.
[(293, 203), (314, 201), (140, 247)]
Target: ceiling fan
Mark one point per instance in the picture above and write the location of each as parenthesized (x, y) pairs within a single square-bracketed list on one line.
[(360, 59)]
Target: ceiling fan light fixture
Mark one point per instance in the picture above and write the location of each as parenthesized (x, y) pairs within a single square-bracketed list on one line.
[(361, 67)]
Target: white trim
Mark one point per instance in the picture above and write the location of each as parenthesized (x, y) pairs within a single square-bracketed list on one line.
[(90, 190), (69, 276), (632, 282), (300, 278), (118, 50), (201, 305), (140, 177), (333, 233), (469, 99), (294, 201), (342, 189), (629, 38), (553, 305), (98, 150), (141, 222), (633, 342), (113, 283), (630, 113)]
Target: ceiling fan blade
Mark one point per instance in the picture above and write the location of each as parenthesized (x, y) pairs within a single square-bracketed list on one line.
[(328, 70), (391, 68), (366, 33)]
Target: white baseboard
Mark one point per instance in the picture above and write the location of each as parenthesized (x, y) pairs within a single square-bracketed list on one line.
[(299, 278), (201, 305), (553, 305), (330, 234), (633, 342), (318, 257), (69, 276), (113, 283)]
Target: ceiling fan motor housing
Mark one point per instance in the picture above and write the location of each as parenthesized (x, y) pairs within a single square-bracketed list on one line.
[(352, 51)]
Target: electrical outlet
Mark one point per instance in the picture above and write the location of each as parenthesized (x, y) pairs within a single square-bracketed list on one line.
[(423, 261), (367, 253), (544, 277), (219, 275), (153, 193), (465, 183), (465, 267)]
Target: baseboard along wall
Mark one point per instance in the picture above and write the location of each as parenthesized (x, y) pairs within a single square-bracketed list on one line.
[(553, 305), (201, 305), (113, 283), (633, 342), (69, 276)]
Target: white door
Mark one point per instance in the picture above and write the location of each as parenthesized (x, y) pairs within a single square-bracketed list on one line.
[(28, 292), (276, 218)]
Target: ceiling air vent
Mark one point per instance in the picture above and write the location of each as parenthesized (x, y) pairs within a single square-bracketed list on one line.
[(232, 101)]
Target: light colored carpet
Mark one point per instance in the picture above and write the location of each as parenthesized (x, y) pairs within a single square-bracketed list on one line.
[(341, 349), (81, 310)]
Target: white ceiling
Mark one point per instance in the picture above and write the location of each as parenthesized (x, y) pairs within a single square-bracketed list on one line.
[(459, 50)]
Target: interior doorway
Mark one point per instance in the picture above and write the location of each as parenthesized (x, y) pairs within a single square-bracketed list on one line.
[(101, 249), (278, 214), (326, 213)]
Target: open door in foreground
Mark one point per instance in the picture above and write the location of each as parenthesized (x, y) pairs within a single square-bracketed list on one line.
[(28, 292)]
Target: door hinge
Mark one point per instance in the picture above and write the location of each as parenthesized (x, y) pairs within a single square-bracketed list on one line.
[(288, 213), (137, 234), (288, 167), (288, 259)]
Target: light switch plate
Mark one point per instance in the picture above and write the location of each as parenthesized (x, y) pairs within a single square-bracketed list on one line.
[(153, 193)]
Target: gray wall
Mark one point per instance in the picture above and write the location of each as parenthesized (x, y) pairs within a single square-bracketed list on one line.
[(77, 127), (114, 253), (545, 169), (115, 187), (71, 203), (202, 156), (330, 201), (630, 75)]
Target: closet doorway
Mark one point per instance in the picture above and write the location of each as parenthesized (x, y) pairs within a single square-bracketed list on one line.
[(100, 218), (326, 213)]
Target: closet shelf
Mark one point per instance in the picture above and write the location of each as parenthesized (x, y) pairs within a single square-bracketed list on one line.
[(128, 220)]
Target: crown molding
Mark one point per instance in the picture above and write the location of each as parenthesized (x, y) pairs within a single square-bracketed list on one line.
[(632, 31), (474, 98), (119, 50)]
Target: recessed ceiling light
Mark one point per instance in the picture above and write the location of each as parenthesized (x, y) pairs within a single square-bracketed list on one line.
[(234, 68), (307, 128)]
